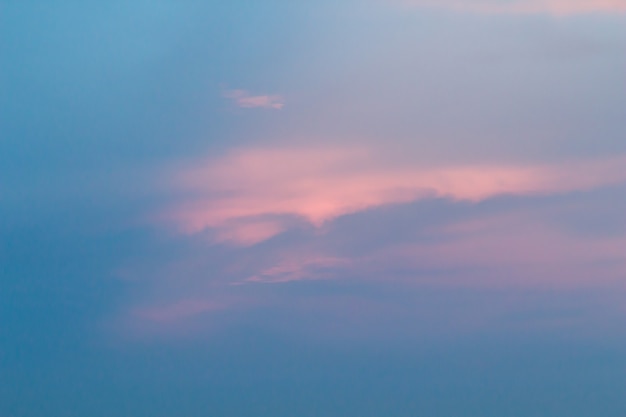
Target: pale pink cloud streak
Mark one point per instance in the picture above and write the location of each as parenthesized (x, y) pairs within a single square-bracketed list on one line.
[(244, 99), (513, 249), (553, 7), (298, 268), (248, 232), (237, 193)]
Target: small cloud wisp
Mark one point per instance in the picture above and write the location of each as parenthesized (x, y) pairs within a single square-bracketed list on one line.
[(245, 100)]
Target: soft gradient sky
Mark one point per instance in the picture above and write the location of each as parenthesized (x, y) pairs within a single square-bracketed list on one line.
[(347, 208)]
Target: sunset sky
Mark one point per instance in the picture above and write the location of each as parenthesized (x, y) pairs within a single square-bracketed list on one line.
[(331, 208)]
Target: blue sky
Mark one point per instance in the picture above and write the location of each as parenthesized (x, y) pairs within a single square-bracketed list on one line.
[(347, 208)]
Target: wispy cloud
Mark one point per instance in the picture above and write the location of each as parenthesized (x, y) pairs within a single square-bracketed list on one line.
[(387, 236), (246, 100), (247, 195), (519, 248), (298, 268), (554, 7)]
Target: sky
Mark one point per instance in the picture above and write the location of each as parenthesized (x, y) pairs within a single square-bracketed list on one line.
[(347, 208)]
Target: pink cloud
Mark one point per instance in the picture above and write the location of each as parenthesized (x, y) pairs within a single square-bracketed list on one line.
[(243, 193), (517, 248), (248, 232), (554, 7), (244, 99), (298, 268), (236, 194)]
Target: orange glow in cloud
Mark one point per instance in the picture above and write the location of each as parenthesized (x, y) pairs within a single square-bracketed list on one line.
[(554, 7), (246, 195)]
